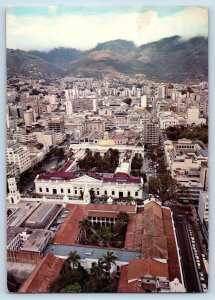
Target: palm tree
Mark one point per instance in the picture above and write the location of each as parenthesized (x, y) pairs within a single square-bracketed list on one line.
[(108, 260), (73, 258), (105, 236), (84, 225), (97, 270)]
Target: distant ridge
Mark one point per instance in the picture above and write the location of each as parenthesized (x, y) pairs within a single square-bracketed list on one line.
[(170, 59)]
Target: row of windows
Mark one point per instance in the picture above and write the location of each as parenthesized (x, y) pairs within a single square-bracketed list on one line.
[(54, 191)]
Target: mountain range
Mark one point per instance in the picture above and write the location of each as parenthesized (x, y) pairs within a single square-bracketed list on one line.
[(167, 60)]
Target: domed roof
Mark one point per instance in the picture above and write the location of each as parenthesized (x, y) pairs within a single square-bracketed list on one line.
[(106, 143)]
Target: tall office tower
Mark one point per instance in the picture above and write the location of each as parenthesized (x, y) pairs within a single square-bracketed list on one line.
[(143, 101), (29, 117), (69, 102), (162, 91), (95, 104)]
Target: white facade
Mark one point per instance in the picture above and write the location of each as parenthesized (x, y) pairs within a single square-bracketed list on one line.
[(95, 105), (167, 121), (46, 138), (29, 117), (193, 117), (143, 101), (74, 187), (69, 108), (203, 209), (13, 196), (19, 155)]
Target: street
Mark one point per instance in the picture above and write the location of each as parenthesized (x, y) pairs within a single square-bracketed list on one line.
[(188, 267)]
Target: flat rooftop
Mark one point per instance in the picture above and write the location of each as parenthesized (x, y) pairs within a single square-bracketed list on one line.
[(35, 240), (43, 215), (23, 211), (91, 252)]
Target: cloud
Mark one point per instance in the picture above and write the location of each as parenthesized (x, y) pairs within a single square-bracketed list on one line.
[(85, 31)]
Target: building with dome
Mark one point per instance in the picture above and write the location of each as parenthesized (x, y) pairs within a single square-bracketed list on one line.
[(106, 141)]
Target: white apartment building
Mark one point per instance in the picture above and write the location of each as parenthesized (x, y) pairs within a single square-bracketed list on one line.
[(29, 117), (69, 108), (185, 160), (203, 209), (167, 121), (143, 101), (46, 138), (193, 117), (20, 156)]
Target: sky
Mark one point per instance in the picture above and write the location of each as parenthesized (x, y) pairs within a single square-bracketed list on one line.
[(83, 27)]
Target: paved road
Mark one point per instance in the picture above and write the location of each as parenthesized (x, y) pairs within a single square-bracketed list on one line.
[(191, 282)]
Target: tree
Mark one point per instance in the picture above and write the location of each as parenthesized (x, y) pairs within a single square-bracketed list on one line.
[(127, 101), (105, 235), (84, 225), (72, 288), (97, 270), (73, 258), (108, 260), (122, 217), (92, 195), (9, 212)]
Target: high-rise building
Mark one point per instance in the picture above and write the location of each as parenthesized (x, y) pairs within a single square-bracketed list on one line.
[(29, 117), (95, 104), (143, 101), (56, 125), (162, 91), (20, 156), (150, 133)]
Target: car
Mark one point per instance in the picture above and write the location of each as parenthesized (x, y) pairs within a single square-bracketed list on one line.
[(202, 279), (197, 257), (204, 287), (203, 256)]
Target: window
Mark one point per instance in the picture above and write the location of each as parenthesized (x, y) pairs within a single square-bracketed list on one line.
[(120, 194), (105, 192), (129, 193), (47, 190), (75, 192), (40, 190), (113, 193), (61, 190), (97, 192), (54, 191), (69, 191), (136, 194)]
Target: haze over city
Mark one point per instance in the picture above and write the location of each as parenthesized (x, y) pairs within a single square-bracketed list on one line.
[(85, 27)]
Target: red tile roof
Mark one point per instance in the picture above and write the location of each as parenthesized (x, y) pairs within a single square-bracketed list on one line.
[(69, 230), (138, 268), (43, 275), (174, 269), (114, 208), (145, 232), (63, 175)]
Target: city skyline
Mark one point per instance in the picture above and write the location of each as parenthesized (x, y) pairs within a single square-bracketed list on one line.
[(51, 27)]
